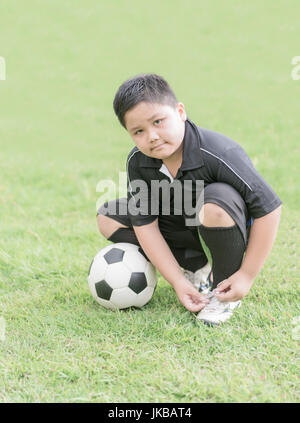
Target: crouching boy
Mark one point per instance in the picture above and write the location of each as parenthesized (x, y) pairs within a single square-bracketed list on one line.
[(238, 218)]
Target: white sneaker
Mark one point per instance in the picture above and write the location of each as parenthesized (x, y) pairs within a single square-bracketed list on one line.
[(216, 311), (200, 279)]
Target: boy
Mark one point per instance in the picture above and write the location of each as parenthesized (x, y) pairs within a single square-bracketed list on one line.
[(238, 219)]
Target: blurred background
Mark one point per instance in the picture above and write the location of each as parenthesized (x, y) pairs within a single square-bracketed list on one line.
[(230, 63)]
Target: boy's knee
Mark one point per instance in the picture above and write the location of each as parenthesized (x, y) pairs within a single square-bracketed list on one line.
[(107, 226), (213, 215)]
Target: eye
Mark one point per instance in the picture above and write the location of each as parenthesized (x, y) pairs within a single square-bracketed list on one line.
[(158, 120), (137, 132)]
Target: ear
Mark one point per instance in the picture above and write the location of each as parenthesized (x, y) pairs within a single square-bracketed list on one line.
[(181, 110)]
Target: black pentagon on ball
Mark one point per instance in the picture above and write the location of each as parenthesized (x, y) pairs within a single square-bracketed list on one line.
[(103, 290), (114, 255), (138, 282)]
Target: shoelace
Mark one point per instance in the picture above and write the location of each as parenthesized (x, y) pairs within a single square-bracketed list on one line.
[(215, 304)]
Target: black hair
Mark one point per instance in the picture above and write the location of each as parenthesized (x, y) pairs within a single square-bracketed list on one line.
[(148, 87)]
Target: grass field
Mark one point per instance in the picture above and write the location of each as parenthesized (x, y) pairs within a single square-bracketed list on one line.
[(230, 64)]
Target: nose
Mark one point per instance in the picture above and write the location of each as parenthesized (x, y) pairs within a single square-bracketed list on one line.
[(153, 136)]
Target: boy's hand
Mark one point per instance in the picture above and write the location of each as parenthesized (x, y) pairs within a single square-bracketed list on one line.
[(189, 297), (234, 288)]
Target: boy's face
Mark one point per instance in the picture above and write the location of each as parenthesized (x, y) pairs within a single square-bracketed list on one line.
[(156, 129)]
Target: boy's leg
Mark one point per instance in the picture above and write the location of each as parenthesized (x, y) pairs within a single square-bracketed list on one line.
[(114, 225), (107, 226), (184, 243), (223, 228)]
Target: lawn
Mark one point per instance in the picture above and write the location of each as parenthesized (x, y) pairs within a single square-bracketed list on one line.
[(230, 64)]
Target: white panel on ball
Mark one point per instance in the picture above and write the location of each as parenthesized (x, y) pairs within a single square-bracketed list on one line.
[(134, 261), (144, 297), (151, 275), (117, 275), (105, 303), (93, 288), (98, 269), (123, 297)]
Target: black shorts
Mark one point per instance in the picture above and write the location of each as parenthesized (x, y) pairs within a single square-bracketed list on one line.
[(173, 227)]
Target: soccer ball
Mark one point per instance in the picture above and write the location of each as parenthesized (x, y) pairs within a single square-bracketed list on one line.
[(120, 276)]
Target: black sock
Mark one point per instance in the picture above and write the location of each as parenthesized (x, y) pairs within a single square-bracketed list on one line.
[(192, 260), (126, 235), (188, 259), (227, 247)]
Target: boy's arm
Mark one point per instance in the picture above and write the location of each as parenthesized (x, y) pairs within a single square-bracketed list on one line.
[(261, 239), (160, 255)]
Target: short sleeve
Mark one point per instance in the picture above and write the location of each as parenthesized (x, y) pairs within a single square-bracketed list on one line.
[(236, 169)]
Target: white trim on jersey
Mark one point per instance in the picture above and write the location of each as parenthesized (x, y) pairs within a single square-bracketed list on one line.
[(130, 187), (227, 166)]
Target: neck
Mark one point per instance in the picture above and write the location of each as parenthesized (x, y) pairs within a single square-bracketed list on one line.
[(173, 162)]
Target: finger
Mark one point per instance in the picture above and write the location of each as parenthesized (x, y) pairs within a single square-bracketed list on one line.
[(222, 286), (224, 283), (190, 305), (199, 301), (195, 307), (197, 296), (225, 296), (203, 299)]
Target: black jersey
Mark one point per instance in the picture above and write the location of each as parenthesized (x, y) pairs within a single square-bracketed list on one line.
[(207, 156)]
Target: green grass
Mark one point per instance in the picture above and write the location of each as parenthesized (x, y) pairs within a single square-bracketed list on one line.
[(230, 64)]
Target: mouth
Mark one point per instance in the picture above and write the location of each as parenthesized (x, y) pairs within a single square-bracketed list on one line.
[(157, 147)]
